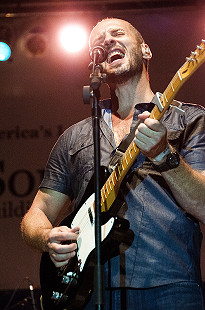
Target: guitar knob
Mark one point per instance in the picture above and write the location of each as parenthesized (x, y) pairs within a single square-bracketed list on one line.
[(70, 278), (56, 295)]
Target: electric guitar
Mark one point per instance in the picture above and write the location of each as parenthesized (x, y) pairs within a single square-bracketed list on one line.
[(70, 287)]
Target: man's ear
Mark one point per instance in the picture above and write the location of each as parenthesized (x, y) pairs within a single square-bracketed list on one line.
[(146, 52)]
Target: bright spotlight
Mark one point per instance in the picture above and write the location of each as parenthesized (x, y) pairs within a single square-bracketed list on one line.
[(73, 38), (5, 41), (5, 51)]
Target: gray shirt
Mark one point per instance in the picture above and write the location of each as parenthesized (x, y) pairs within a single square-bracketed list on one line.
[(165, 245)]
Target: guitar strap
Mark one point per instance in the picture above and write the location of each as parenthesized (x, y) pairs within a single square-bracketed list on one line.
[(117, 154)]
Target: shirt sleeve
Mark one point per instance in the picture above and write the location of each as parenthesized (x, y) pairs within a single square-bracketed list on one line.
[(193, 150), (56, 174)]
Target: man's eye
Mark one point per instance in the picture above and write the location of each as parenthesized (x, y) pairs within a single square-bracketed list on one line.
[(119, 33)]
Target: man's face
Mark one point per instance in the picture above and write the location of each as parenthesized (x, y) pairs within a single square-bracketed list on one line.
[(124, 52)]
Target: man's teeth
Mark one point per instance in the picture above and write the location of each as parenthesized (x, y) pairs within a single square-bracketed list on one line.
[(114, 56)]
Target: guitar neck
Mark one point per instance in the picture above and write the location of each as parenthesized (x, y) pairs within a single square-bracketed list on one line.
[(111, 188)]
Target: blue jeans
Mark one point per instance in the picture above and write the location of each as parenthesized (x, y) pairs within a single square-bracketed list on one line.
[(176, 296)]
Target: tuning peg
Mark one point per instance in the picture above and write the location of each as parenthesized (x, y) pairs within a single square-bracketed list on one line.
[(190, 59), (199, 47)]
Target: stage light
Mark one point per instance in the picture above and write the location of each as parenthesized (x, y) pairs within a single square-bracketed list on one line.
[(73, 38), (35, 42), (5, 51), (5, 40)]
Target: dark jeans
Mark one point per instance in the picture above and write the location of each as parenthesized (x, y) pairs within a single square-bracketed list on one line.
[(176, 296)]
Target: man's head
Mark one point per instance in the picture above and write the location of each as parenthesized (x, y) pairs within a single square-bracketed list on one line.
[(126, 49)]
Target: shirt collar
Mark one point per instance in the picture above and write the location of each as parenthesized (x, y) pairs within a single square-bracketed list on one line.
[(138, 109)]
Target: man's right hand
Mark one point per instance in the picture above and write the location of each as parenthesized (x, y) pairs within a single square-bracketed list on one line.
[(62, 244)]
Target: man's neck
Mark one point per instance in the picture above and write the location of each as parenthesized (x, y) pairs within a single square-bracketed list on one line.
[(126, 96)]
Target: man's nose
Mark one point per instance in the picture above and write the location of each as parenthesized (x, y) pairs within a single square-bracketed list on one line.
[(109, 41)]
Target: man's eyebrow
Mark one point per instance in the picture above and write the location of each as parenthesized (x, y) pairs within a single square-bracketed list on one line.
[(100, 36), (117, 29)]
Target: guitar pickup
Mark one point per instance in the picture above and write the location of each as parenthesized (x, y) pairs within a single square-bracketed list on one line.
[(92, 221)]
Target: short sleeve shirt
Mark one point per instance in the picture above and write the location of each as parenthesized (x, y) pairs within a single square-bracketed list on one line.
[(164, 242)]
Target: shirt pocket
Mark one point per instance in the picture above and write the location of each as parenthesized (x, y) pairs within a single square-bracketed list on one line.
[(82, 158)]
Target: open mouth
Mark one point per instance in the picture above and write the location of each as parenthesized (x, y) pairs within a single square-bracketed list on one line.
[(115, 55)]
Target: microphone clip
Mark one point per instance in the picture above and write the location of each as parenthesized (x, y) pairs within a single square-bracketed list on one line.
[(98, 55), (97, 76)]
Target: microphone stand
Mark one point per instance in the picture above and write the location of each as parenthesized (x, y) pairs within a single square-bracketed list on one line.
[(91, 94), (32, 296)]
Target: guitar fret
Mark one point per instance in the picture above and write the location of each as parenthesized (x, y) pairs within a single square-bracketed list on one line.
[(104, 192), (155, 112), (179, 75), (175, 82), (169, 91), (109, 183), (119, 170), (114, 181), (165, 97), (102, 195), (134, 147), (107, 190), (126, 159), (172, 86)]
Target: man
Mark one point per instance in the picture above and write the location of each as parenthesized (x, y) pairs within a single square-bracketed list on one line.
[(160, 269)]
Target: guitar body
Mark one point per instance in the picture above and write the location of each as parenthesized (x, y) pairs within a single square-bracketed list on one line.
[(70, 287)]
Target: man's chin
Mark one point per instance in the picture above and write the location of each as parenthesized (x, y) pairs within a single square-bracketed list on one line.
[(119, 77)]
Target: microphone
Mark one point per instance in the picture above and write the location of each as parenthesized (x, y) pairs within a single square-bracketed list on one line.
[(98, 54)]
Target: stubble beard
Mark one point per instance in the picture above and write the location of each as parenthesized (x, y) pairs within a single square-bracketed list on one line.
[(122, 74)]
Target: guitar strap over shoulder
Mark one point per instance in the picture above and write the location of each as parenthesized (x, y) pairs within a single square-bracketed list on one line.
[(120, 150)]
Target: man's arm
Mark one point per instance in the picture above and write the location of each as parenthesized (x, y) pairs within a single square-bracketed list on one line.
[(186, 184), (188, 188), (38, 231)]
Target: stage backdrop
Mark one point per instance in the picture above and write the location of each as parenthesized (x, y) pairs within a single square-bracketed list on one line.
[(42, 95)]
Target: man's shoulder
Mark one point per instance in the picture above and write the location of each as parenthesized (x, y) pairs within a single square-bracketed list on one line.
[(193, 107), (81, 126), (193, 112), (187, 112)]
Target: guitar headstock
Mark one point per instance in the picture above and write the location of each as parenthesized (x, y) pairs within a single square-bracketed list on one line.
[(192, 63)]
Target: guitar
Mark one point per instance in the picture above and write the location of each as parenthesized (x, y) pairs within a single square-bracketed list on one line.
[(70, 287)]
